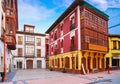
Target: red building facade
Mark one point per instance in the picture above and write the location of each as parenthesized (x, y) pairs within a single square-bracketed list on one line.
[(79, 36)]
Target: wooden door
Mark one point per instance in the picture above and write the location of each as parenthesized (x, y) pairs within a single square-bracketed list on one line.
[(29, 64)]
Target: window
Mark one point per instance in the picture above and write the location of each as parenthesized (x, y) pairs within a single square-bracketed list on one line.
[(72, 26), (96, 20), (29, 50), (19, 51), (29, 39), (19, 39), (52, 50), (38, 52), (62, 27), (38, 41), (29, 29), (90, 16), (119, 44), (87, 39), (61, 43), (61, 30), (114, 45), (72, 43), (55, 36)]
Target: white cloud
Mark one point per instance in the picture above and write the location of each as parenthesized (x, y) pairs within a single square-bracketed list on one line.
[(66, 3), (62, 3), (33, 12), (104, 4)]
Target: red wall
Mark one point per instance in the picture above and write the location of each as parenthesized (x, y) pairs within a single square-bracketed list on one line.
[(66, 30)]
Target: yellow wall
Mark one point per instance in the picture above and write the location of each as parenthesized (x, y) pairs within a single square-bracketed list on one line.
[(80, 54), (64, 55), (113, 52)]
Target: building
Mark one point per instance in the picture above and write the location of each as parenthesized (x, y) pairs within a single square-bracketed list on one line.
[(8, 27), (79, 39), (30, 52), (113, 56)]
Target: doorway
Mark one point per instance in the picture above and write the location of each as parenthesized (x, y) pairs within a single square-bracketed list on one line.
[(19, 65), (39, 64)]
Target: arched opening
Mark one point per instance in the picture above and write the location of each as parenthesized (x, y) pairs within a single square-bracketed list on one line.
[(103, 62), (67, 62), (94, 62), (73, 62)]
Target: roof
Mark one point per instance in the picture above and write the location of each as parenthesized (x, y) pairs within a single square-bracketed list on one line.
[(114, 35), (27, 25), (71, 8)]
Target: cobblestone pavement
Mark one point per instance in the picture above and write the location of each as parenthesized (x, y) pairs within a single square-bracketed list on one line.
[(41, 76)]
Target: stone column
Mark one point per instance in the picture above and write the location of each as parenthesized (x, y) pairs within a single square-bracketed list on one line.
[(79, 60), (100, 62), (70, 63), (91, 61), (60, 62), (110, 61)]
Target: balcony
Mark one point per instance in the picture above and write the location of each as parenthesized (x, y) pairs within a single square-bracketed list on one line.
[(30, 43), (72, 27), (11, 28), (11, 41), (29, 55)]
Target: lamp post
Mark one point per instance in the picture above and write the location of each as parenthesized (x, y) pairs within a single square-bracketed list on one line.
[(4, 78)]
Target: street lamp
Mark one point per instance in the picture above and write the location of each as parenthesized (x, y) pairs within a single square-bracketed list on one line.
[(4, 77)]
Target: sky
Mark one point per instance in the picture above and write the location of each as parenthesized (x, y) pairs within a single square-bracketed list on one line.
[(43, 13), (114, 20)]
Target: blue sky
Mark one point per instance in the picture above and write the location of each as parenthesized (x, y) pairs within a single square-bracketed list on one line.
[(114, 19), (42, 13)]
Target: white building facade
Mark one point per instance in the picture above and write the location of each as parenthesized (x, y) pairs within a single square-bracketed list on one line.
[(30, 49)]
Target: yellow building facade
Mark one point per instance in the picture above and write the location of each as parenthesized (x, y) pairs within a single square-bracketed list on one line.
[(72, 61), (113, 56)]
